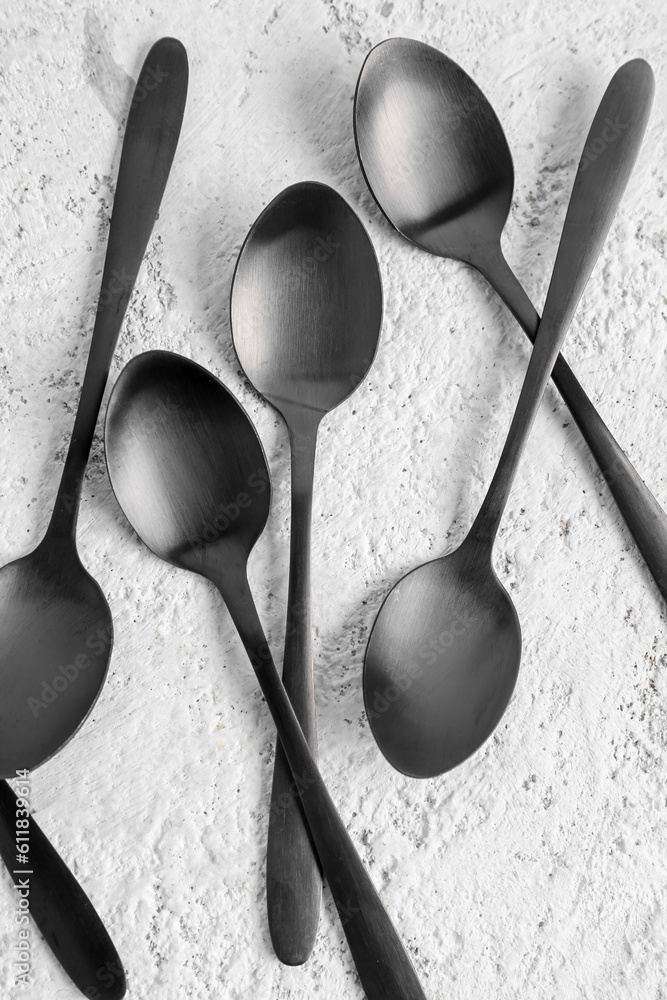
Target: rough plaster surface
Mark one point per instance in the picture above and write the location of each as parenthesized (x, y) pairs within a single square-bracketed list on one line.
[(538, 868)]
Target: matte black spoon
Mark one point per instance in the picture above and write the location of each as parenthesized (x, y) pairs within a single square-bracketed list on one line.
[(55, 624), (437, 162), (188, 469), (443, 657), (306, 312)]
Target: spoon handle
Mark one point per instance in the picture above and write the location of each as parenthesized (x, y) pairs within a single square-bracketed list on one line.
[(383, 965), (642, 513), (293, 877), (597, 191), (151, 135), (63, 913)]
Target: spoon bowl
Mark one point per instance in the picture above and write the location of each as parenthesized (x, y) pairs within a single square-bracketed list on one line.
[(186, 461), (432, 710), (432, 150), (306, 301), (56, 624)]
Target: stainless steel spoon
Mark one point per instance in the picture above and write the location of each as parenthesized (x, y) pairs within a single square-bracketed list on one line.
[(443, 656), (55, 624), (437, 162), (188, 469), (306, 311)]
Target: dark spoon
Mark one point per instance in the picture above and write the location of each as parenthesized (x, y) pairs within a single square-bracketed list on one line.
[(443, 657), (436, 160), (189, 471), (55, 625), (306, 312)]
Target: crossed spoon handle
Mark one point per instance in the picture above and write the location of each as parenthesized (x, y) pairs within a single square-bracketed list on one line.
[(290, 860), (596, 194), (150, 141), (383, 965), (642, 513)]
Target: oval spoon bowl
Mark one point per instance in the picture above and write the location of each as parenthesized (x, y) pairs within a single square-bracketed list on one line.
[(432, 150), (66, 658), (431, 711), (171, 438), (306, 302)]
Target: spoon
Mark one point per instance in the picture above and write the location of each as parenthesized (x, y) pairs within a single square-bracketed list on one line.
[(188, 469), (306, 311), (443, 656), (437, 163), (55, 625)]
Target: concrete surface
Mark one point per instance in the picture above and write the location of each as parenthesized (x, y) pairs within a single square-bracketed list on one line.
[(538, 868)]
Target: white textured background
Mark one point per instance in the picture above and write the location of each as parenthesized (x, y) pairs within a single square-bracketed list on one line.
[(537, 869)]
